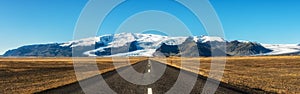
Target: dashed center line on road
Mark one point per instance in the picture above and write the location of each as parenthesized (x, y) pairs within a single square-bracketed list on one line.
[(149, 67), (149, 70), (149, 90)]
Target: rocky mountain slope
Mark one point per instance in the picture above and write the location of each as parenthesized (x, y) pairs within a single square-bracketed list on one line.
[(133, 44)]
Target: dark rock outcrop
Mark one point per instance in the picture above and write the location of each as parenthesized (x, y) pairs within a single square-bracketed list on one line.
[(189, 48), (237, 48)]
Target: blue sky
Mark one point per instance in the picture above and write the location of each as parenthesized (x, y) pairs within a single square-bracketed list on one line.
[(24, 22)]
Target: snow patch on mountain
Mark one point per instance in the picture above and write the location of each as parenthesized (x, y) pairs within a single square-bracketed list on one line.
[(121, 39), (145, 52), (212, 38), (205, 39), (243, 41), (279, 49), (175, 40), (82, 42)]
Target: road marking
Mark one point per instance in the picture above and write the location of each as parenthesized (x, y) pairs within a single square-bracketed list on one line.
[(149, 63), (149, 66), (149, 90)]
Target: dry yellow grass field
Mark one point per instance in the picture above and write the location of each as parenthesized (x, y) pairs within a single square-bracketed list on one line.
[(280, 74), (29, 75)]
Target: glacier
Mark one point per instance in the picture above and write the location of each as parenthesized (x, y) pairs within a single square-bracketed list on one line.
[(150, 42)]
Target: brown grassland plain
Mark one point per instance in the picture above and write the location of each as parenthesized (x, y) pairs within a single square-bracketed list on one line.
[(280, 74), (30, 75)]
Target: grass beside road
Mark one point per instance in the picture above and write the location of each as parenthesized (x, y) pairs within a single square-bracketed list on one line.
[(29, 75), (280, 74)]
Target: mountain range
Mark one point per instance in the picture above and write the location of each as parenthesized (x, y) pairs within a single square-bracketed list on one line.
[(135, 44)]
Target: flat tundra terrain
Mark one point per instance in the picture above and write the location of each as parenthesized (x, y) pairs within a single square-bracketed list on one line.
[(279, 74), (30, 75)]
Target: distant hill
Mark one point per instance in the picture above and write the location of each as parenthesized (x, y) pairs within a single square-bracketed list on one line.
[(233, 48), (43, 50), (188, 48), (237, 48), (133, 44)]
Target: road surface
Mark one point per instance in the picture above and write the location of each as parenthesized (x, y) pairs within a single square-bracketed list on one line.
[(161, 86)]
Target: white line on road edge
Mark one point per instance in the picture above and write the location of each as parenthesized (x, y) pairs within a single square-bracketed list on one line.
[(149, 90)]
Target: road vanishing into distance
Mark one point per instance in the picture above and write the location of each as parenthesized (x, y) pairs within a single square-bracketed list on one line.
[(122, 86)]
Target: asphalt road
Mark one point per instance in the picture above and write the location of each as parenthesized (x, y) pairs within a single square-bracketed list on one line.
[(161, 86)]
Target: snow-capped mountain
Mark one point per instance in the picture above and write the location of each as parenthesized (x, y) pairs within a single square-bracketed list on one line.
[(134, 44), (116, 40), (148, 42)]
